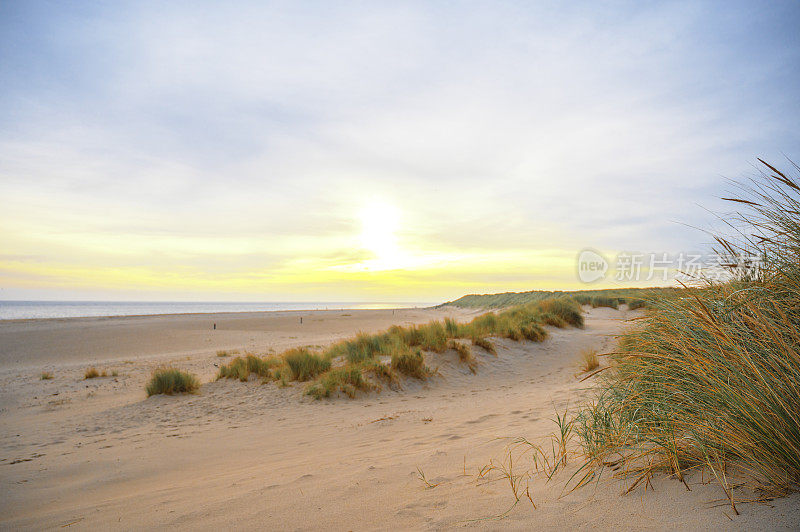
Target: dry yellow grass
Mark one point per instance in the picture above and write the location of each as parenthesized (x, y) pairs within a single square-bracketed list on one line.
[(464, 355), (171, 381), (589, 360), (711, 379)]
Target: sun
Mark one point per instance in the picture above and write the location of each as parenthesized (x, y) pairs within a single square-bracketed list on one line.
[(379, 224)]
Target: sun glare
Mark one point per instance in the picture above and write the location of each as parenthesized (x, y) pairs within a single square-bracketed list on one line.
[(379, 223)]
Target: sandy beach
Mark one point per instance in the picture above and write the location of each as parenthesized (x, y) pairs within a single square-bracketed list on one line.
[(97, 453), (399, 265)]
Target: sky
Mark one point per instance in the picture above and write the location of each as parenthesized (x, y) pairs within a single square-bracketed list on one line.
[(374, 151)]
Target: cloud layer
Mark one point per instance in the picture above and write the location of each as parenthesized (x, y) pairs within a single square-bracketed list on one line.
[(185, 151)]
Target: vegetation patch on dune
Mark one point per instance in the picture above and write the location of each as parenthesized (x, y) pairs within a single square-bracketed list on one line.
[(582, 297), (304, 364), (564, 308), (605, 301), (348, 379), (635, 303), (242, 367), (712, 379), (465, 354), (361, 362), (170, 381), (412, 364), (485, 344), (589, 360)]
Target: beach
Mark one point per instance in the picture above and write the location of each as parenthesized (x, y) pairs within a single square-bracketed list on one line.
[(98, 453)]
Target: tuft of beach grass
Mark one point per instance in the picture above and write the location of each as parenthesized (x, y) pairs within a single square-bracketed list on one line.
[(589, 360), (170, 381), (711, 379), (465, 355), (412, 364)]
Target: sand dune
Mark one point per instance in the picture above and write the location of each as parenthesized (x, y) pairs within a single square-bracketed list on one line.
[(97, 453)]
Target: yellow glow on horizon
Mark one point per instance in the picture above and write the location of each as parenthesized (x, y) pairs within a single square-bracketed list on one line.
[(441, 278), (376, 252)]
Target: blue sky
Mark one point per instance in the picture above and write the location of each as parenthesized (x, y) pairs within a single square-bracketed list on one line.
[(231, 150)]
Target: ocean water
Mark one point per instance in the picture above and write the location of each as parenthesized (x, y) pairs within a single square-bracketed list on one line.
[(15, 310)]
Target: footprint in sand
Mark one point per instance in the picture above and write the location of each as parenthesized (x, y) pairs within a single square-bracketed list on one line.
[(482, 419)]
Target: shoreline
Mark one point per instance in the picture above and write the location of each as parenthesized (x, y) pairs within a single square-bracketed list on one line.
[(223, 313), (65, 342), (108, 316)]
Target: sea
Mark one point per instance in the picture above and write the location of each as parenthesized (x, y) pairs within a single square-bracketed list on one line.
[(18, 310)]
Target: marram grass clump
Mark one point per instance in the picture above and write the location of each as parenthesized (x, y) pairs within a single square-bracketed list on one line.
[(412, 364), (465, 355), (366, 355), (712, 379), (484, 344), (170, 381), (589, 360), (241, 368), (347, 379), (304, 364), (605, 301), (567, 309), (636, 303)]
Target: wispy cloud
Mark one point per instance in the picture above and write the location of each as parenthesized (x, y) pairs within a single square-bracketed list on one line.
[(238, 143)]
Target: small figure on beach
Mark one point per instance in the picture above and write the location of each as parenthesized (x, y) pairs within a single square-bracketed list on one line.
[(215, 326)]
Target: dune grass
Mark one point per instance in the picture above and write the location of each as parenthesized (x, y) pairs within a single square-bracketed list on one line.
[(304, 364), (605, 301), (589, 360), (431, 336), (298, 364), (225, 353), (403, 348), (368, 346), (582, 297), (242, 367), (465, 355), (91, 373), (348, 379), (484, 344), (412, 364), (567, 309), (636, 303), (712, 379), (383, 373), (46, 376), (170, 381)]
